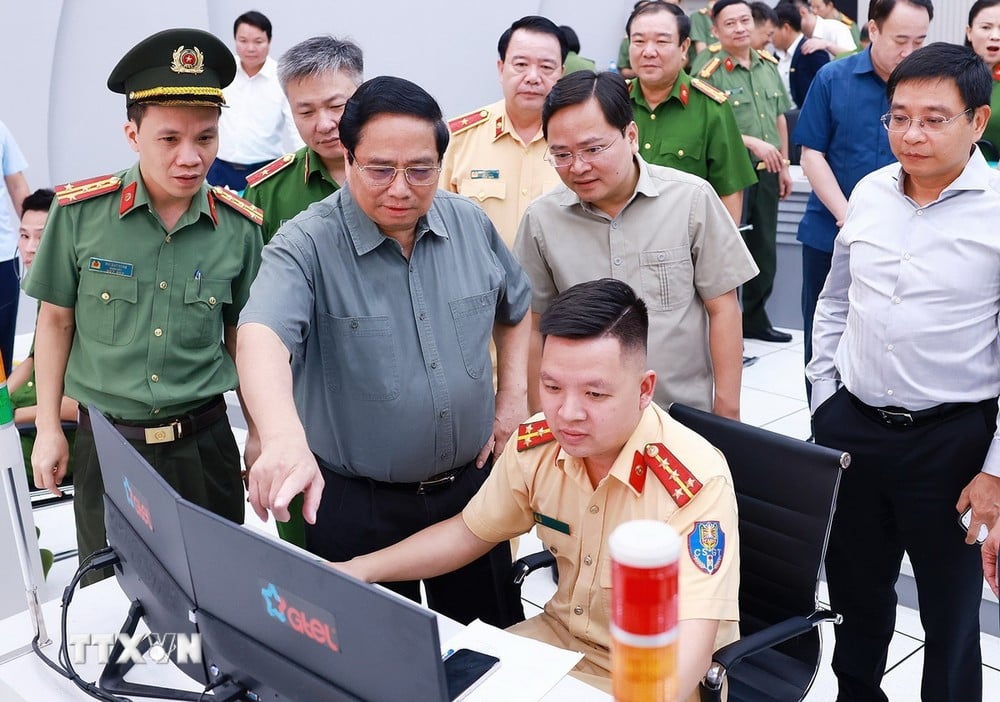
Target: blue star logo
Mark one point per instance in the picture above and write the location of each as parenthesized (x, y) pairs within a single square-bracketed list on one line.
[(273, 600)]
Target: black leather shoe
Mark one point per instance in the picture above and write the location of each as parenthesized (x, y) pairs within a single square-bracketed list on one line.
[(769, 334)]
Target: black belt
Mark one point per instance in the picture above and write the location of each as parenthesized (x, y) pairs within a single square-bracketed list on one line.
[(902, 417), (435, 483), (161, 433)]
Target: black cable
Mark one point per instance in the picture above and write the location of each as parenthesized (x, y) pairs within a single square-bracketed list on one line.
[(211, 686)]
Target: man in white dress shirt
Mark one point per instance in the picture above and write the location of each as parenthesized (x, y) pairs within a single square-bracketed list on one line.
[(906, 374), (832, 36), (257, 127)]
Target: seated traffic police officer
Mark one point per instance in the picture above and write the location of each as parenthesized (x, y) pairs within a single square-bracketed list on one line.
[(141, 277), (587, 455)]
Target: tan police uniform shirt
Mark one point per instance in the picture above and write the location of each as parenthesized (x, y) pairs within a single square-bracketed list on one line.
[(674, 243), (491, 164), (547, 486)]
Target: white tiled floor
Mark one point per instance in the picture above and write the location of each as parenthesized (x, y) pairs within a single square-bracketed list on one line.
[(773, 397)]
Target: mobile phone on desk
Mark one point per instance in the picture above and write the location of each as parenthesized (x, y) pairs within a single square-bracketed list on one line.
[(465, 670), (966, 519)]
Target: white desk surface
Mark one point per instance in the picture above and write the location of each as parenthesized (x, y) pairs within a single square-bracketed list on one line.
[(102, 608)]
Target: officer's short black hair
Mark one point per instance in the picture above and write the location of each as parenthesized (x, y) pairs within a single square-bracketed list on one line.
[(721, 5), (254, 19), (651, 6), (762, 12), (38, 201), (596, 309), (788, 13), (943, 61), (532, 23), (607, 88), (572, 40), (879, 10), (393, 96)]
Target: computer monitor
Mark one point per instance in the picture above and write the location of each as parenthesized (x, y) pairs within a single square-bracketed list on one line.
[(143, 528), (286, 626)]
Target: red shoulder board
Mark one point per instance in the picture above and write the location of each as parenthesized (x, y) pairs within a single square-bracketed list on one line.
[(708, 89), (86, 189), (767, 56), (473, 119), (248, 210), (674, 475), (534, 434), (262, 174)]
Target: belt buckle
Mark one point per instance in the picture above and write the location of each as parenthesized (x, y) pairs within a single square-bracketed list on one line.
[(165, 434), (424, 484), (899, 419)]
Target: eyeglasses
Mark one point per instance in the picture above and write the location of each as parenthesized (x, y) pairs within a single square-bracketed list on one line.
[(894, 122), (565, 159), (381, 176)]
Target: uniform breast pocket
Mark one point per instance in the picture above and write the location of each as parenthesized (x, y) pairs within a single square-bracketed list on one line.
[(201, 324), (667, 277), (359, 357), (683, 156), (482, 189), (473, 318), (106, 309)]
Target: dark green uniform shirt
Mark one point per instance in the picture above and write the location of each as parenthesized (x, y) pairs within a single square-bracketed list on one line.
[(757, 94), (291, 190), (701, 26), (150, 305), (992, 132), (693, 133)]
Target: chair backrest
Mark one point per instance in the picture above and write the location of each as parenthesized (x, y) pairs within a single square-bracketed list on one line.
[(785, 490)]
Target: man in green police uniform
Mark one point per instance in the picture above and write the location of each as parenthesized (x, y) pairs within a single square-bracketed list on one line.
[(141, 277), (701, 28), (759, 101), (683, 123), (318, 75)]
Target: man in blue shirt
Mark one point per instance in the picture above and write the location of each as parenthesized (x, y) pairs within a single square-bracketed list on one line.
[(841, 136)]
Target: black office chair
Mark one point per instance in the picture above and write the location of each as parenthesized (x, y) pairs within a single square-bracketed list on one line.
[(786, 490)]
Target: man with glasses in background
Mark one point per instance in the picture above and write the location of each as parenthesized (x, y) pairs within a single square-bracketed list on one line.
[(906, 374), (662, 231), (370, 320)]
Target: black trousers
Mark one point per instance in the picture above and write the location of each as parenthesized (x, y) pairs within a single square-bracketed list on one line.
[(815, 269), (204, 468), (899, 494), (760, 206), (358, 516)]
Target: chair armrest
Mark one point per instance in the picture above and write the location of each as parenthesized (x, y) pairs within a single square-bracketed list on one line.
[(729, 656), (523, 566)]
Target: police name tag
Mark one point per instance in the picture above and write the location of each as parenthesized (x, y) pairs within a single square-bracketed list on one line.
[(551, 523), (485, 174), (102, 265)]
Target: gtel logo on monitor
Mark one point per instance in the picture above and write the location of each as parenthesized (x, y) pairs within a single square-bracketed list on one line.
[(138, 503), (305, 618)]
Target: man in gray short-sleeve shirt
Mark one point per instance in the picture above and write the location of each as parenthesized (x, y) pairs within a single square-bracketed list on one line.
[(364, 353)]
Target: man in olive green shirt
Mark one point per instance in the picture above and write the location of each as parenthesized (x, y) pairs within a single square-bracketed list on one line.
[(318, 75), (683, 123), (141, 277), (701, 28), (759, 101)]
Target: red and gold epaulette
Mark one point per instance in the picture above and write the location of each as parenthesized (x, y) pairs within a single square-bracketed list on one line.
[(473, 119), (262, 174), (715, 48), (248, 210), (710, 68), (708, 89), (85, 189), (674, 475), (534, 434), (767, 56)]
